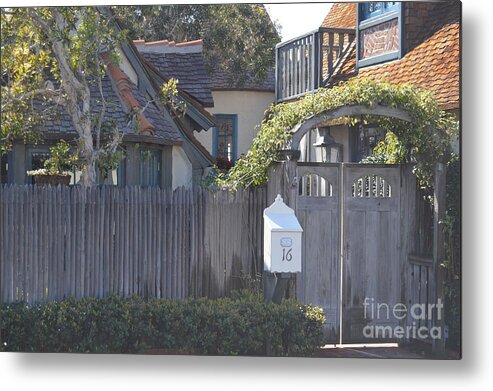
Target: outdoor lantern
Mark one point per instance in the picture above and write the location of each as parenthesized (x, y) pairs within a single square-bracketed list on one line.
[(369, 135), (328, 150), (282, 239)]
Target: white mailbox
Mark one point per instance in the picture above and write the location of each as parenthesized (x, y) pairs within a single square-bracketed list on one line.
[(282, 239)]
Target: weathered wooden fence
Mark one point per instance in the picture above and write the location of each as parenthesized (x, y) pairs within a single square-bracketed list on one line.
[(421, 274), (70, 241)]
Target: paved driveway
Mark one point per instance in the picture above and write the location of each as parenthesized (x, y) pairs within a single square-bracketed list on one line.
[(380, 351)]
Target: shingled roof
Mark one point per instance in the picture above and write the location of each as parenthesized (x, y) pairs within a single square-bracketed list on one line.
[(432, 56), (181, 61), (221, 80), (121, 96)]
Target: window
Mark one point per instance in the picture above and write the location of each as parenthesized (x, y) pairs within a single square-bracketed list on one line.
[(379, 32), (150, 167), (36, 158), (4, 167), (369, 137), (377, 8), (224, 144)]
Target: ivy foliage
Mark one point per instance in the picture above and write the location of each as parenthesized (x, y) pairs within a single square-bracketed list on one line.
[(423, 141)]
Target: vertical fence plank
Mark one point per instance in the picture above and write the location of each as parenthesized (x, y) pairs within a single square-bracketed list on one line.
[(15, 255), (128, 226), (3, 239), (108, 241), (9, 245), (88, 237), (143, 242), (157, 242), (168, 243), (99, 238), (60, 241), (28, 244), (23, 241)]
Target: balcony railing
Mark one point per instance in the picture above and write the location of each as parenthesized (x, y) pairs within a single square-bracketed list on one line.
[(306, 63)]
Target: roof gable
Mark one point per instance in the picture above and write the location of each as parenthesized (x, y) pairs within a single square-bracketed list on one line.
[(181, 61)]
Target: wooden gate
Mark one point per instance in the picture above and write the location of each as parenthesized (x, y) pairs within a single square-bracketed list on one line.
[(318, 209), (371, 244), (352, 247)]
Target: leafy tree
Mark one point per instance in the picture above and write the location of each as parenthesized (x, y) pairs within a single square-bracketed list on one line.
[(238, 38), (53, 55)]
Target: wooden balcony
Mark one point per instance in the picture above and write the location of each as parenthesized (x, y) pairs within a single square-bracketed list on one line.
[(306, 63)]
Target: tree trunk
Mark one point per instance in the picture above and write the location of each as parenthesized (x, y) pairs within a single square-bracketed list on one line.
[(88, 175)]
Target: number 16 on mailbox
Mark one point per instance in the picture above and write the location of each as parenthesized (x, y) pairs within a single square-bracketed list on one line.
[(282, 239)]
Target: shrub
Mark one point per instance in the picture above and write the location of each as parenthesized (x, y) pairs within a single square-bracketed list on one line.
[(239, 325)]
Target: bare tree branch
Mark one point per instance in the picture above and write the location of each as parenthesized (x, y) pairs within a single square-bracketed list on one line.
[(59, 50), (101, 114), (54, 95)]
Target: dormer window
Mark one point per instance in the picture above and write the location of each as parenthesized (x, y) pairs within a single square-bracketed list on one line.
[(379, 32), (377, 8)]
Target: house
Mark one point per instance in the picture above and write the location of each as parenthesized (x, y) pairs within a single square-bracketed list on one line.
[(159, 147), (239, 108), (165, 60), (397, 42)]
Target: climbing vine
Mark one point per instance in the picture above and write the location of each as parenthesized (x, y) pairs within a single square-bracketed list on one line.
[(423, 141)]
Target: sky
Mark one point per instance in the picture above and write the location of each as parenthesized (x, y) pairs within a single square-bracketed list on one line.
[(298, 18)]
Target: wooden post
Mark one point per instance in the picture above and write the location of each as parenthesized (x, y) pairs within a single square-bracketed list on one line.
[(438, 347), (274, 184), (283, 179), (290, 176)]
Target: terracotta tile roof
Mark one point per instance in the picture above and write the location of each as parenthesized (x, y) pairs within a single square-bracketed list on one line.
[(432, 59), (124, 87), (341, 15), (182, 61), (165, 42), (150, 120)]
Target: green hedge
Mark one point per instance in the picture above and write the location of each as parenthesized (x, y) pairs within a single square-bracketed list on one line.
[(240, 325)]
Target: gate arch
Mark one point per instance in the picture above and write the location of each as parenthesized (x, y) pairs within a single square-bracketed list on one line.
[(322, 118)]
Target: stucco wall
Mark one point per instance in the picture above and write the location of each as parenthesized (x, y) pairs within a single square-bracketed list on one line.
[(182, 168), (341, 135), (128, 68), (248, 105)]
